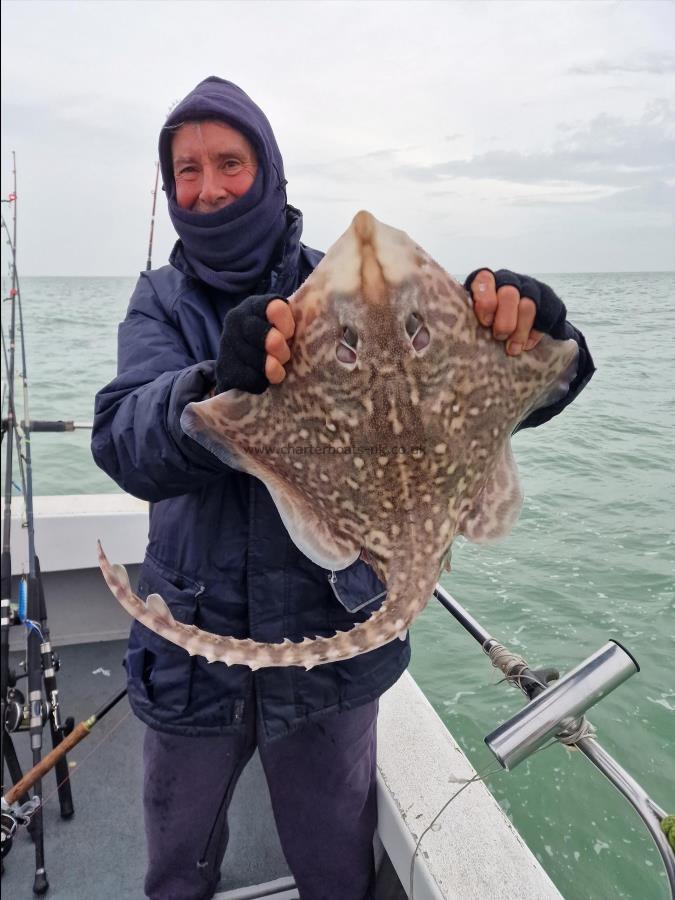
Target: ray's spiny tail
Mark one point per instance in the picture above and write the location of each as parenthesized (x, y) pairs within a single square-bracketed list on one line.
[(390, 621)]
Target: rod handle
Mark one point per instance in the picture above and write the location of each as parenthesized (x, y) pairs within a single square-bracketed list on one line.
[(48, 762), (36, 425), (50, 425)]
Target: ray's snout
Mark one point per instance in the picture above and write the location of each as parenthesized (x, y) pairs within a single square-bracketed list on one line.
[(364, 224)]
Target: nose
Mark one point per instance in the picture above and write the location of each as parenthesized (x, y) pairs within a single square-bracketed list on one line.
[(212, 189)]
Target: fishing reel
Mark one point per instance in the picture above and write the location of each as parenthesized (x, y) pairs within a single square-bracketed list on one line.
[(18, 712), (11, 817)]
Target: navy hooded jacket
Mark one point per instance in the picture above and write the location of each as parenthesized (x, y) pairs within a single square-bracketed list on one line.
[(218, 552)]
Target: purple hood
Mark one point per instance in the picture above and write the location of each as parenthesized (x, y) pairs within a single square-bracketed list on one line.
[(230, 249)]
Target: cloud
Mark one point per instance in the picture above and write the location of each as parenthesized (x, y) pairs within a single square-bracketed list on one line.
[(608, 151), (657, 197), (80, 122), (648, 65), (417, 118), (352, 166), (332, 198)]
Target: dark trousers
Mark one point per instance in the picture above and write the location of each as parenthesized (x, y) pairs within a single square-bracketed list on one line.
[(322, 781)]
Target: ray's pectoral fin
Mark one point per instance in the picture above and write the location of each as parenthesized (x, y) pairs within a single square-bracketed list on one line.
[(219, 422), (497, 507), (564, 362), (312, 534), (228, 425)]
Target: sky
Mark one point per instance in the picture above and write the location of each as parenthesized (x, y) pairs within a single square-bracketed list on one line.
[(537, 136)]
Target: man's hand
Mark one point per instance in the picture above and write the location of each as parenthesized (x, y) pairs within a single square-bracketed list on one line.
[(512, 305), (276, 342)]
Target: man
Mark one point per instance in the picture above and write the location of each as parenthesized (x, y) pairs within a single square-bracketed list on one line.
[(215, 319)]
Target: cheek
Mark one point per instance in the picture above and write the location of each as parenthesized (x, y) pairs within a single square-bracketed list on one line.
[(239, 184), (186, 194)]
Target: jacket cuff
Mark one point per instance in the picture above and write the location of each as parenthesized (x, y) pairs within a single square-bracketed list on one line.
[(190, 386), (585, 370)]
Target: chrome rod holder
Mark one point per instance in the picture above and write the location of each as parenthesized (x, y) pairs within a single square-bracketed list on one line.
[(650, 813), (557, 709)]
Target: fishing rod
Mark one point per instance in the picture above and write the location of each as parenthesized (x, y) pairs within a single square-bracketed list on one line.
[(6, 556), (148, 264), (51, 425), (41, 661), (49, 661), (15, 810), (555, 712)]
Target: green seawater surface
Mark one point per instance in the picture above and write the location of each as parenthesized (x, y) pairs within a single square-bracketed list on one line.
[(591, 558)]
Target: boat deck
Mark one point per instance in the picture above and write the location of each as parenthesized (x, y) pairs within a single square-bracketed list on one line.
[(472, 853), (99, 854)]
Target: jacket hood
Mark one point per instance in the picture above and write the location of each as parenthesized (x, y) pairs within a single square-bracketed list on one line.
[(231, 248)]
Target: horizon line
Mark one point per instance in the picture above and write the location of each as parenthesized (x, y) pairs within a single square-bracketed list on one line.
[(549, 272)]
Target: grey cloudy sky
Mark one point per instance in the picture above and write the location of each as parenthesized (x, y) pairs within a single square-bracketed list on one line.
[(534, 135)]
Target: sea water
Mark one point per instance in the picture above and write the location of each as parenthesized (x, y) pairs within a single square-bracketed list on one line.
[(591, 558)]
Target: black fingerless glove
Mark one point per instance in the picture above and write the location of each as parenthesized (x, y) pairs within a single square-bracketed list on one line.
[(551, 312), (241, 355)]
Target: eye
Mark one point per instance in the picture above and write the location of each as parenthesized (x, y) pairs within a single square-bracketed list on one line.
[(345, 351), (417, 331), (412, 324), (233, 166), (350, 337)]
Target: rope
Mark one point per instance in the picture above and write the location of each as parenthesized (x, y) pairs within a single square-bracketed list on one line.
[(582, 729), (507, 661), (33, 626), (476, 778), (504, 659), (467, 782)]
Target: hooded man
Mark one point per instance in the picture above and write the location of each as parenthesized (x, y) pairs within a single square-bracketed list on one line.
[(215, 318)]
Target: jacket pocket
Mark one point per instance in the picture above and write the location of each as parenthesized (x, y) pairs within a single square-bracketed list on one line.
[(357, 587), (160, 670)]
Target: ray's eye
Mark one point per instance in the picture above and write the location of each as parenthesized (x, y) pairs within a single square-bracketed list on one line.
[(350, 337), (412, 324), (346, 349), (417, 331)]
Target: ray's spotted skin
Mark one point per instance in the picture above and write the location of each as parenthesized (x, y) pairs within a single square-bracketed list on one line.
[(390, 434)]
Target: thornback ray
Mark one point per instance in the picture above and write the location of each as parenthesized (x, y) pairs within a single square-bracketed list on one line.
[(389, 436)]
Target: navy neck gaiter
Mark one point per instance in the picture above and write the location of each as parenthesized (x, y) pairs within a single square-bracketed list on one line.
[(230, 249)]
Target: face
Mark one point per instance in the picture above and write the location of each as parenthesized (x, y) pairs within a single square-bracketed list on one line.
[(213, 165)]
